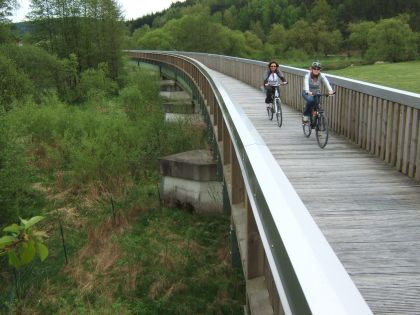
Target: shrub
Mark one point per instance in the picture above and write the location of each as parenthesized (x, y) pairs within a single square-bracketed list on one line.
[(45, 71), (14, 85), (391, 40), (94, 82)]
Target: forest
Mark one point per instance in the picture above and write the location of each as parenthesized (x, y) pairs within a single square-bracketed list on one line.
[(285, 29)]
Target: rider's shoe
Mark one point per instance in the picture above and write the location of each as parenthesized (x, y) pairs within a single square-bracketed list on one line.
[(305, 119)]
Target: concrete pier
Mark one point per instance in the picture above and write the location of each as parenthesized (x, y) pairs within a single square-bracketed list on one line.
[(175, 95), (189, 181), (169, 86)]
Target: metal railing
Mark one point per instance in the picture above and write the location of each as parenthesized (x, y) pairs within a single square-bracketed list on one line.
[(384, 121)]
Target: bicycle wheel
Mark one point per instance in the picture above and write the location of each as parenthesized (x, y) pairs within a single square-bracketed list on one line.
[(270, 111), (279, 113), (321, 130), (307, 130)]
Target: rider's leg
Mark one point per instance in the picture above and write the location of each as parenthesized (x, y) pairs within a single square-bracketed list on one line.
[(310, 102), (268, 96)]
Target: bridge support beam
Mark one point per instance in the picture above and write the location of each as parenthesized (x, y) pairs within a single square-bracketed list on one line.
[(189, 181)]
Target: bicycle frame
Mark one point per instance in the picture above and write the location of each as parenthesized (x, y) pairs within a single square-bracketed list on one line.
[(275, 106), (317, 109), (317, 121)]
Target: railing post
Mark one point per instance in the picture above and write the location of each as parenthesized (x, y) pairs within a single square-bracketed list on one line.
[(255, 249), (236, 180)]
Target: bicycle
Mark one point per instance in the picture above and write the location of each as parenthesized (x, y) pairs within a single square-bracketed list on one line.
[(317, 121), (275, 105)]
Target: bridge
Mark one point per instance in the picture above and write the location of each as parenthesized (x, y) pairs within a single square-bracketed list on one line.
[(320, 231)]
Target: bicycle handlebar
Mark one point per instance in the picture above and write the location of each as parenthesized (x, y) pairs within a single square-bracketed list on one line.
[(280, 84), (323, 94)]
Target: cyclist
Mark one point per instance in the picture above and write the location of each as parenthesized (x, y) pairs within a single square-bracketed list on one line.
[(273, 76), (312, 83)]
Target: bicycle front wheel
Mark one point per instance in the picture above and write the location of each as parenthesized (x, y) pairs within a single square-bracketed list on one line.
[(321, 130), (270, 111), (307, 129), (279, 113)]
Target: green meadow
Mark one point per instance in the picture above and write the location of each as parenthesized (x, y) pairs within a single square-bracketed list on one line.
[(403, 75)]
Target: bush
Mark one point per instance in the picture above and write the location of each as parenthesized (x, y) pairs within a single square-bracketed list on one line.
[(45, 71), (94, 82), (391, 40), (14, 85), (17, 198)]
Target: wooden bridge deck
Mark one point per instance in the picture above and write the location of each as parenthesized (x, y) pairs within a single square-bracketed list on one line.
[(368, 211)]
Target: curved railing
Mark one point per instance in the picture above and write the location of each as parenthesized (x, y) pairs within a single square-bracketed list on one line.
[(282, 243), (382, 120)]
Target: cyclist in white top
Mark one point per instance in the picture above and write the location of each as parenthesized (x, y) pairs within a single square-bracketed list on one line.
[(312, 83), (272, 77)]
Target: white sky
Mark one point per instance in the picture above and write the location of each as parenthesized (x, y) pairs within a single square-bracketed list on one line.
[(131, 9)]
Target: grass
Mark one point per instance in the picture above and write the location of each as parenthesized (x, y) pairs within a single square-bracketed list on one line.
[(403, 75), (179, 263), (146, 259)]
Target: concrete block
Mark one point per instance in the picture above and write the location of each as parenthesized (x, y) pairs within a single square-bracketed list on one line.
[(189, 180), (195, 165), (175, 95), (194, 196)]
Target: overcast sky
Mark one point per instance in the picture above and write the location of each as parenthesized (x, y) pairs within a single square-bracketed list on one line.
[(132, 9)]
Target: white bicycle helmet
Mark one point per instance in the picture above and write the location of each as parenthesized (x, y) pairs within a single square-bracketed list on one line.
[(316, 64)]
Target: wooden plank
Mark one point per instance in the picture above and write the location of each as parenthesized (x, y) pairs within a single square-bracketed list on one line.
[(347, 111), (389, 133), (343, 118), (369, 123), (417, 168), (238, 186), (219, 124), (361, 120), (373, 125), (354, 117), (401, 133), (407, 140), (255, 249), (226, 145), (395, 128), (378, 127), (357, 119), (414, 143), (383, 129)]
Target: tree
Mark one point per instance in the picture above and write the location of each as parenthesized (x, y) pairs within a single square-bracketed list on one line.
[(44, 70), (91, 29), (158, 39), (277, 38), (14, 84), (301, 37), (391, 40), (321, 10), (325, 41), (6, 8), (358, 38), (258, 30), (230, 18)]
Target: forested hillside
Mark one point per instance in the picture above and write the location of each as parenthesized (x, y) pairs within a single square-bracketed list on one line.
[(285, 29)]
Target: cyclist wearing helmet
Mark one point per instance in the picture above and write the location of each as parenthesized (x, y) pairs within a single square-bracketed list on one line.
[(312, 83), (272, 77)]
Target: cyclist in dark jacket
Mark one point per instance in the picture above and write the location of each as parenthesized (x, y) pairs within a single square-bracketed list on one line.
[(273, 76)]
